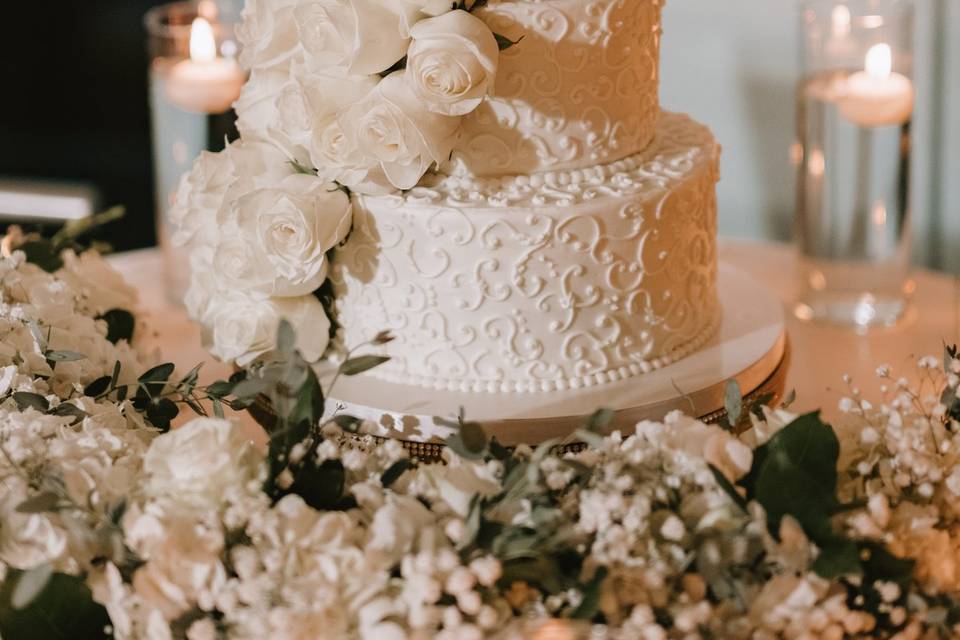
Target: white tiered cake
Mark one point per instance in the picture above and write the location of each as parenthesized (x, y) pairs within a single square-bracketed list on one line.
[(570, 241), (492, 182)]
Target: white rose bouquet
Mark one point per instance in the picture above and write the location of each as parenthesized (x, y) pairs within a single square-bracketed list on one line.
[(344, 96)]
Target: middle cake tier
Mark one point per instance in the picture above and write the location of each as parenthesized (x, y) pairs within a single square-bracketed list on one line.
[(579, 87), (540, 283)]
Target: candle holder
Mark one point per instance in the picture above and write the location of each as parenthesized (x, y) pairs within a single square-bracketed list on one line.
[(194, 81), (855, 103)]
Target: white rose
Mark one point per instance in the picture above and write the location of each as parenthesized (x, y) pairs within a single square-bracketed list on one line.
[(197, 464), (392, 128), (257, 105), (183, 565), (361, 36), (203, 284), (452, 62), (242, 166), (275, 240), (306, 112), (243, 327), (268, 35), (100, 286)]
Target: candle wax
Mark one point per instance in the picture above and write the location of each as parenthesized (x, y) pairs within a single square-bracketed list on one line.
[(872, 101), (204, 87)]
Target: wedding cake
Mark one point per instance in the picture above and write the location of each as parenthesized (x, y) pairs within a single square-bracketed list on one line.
[(492, 182)]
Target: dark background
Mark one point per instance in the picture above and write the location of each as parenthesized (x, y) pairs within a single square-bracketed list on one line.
[(73, 102)]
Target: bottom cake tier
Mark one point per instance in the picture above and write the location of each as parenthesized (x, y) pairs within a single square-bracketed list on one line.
[(540, 283)]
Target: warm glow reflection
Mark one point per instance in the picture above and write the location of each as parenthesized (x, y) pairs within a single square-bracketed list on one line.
[(203, 44), (840, 19), (817, 164), (879, 214), (207, 9), (879, 62)]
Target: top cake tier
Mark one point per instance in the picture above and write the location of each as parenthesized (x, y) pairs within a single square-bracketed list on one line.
[(579, 89)]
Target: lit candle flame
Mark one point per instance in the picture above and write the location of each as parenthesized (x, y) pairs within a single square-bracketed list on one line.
[(879, 62), (203, 44), (840, 18)]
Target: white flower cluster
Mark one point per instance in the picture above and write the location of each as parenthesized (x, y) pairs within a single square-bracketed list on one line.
[(259, 234), (175, 535), (903, 462), (323, 86), (52, 345), (323, 109)]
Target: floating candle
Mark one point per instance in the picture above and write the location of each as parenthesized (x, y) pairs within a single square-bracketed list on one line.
[(206, 82), (877, 96)]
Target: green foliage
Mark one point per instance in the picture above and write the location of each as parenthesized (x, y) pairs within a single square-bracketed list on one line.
[(732, 404), (120, 325), (63, 608), (362, 364), (795, 474), (396, 470), (469, 440), (45, 252), (504, 43)]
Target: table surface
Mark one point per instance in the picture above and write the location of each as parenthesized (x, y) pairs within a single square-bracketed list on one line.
[(821, 354)]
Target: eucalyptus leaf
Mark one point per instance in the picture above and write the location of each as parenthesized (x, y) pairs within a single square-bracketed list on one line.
[(590, 604), (504, 43), (474, 437), (190, 380), (162, 412), (321, 486), (27, 400), (158, 374), (455, 443), (382, 338), (600, 420), (64, 356), (97, 387), (69, 409), (733, 402), (396, 470), (286, 338), (361, 364), (41, 503), (120, 325), (348, 423), (74, 229), (30, 584), (220, 389), (250, 388), (115, 378)]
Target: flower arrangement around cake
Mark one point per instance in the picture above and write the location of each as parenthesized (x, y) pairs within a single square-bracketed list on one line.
[(344, 96), (111, 525)]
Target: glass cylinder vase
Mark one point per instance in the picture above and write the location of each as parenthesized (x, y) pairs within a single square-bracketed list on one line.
[(855, 103), (194, 81)]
